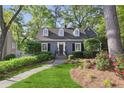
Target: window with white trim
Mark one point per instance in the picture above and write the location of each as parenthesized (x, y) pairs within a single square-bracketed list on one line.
[(77, 46), (76, 32), (13, 45), (44, 47), (45, 32), (61, 32)]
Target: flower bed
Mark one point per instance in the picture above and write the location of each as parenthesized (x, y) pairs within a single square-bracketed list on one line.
[(92, 78)]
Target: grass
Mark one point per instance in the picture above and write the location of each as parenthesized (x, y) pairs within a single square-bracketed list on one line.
[(20, 70), (56, 77)]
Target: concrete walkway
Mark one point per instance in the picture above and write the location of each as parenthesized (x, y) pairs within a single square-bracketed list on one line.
[(19, 77)]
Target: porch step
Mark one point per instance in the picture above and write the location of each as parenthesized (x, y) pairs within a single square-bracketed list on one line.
[(61, 57)]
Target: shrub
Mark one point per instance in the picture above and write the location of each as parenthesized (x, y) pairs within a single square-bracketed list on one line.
[(7, 66), (88, 54), (85, 63), (9, 56), (118, 63), (32, 47), (92, 44), (107, 83), (38, 53), (77, 54), (44, 57), (102, 61), (70, 57)]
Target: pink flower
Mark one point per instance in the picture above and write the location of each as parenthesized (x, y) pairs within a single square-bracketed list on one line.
[(116, 71), (122, 73), (114, 64)]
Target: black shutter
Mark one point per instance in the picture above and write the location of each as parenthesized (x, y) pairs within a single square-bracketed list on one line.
[(48, 46), (82, 47), (73, 46)]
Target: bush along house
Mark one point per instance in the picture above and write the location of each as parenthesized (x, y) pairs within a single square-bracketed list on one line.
[(63, 41)]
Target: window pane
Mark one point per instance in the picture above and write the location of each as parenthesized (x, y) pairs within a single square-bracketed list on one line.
[(78, 47), (44, 47), (13, 45)]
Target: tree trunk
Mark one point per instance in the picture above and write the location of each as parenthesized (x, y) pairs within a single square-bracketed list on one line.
[(5, 27), (2, 40), (112, 30)]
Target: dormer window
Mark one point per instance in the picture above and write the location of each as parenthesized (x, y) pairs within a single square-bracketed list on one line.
[(76, 32), (45, 32), (61, 32)]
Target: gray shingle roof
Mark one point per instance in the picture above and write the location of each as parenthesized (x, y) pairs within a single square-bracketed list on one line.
[(68, 35)]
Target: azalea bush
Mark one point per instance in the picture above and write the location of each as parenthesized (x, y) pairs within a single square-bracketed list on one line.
[(102, 61), (118, 63)]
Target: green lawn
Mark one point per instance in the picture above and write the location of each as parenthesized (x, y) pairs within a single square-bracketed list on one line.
[(56, 77)]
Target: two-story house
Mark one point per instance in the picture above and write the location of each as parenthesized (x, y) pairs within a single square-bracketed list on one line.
[(63, 41)]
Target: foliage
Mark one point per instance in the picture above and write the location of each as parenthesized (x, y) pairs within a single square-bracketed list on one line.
[(20, 70), (7, 66), (39, 20), (81, 16), (71, 57), (45, 56), (85, 63), (77, 54), (38, 53), (9, 56), (89, 54), (103, 40), (102, 61), (32, 47), (120, 10), (107, 83), (118, 63), (92, 44), (5, 26)]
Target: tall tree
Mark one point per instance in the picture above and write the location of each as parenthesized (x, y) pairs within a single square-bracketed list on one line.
[(112, 30), (41, 17), (81, 16), (5, 27)]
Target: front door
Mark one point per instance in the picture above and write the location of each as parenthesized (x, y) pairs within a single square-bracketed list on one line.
[(61, 49)]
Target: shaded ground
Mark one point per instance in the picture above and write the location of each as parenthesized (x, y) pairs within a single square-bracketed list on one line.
[(92, 78), (56, 77)]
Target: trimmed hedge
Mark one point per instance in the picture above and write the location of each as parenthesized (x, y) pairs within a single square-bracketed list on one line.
[(7, 66), (89, 54), (82, 54), (77, 54)]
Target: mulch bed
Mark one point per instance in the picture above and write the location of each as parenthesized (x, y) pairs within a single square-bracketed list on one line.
[(83, 77)]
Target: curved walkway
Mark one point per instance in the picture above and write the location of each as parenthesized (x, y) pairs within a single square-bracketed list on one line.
[(19, 77)]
